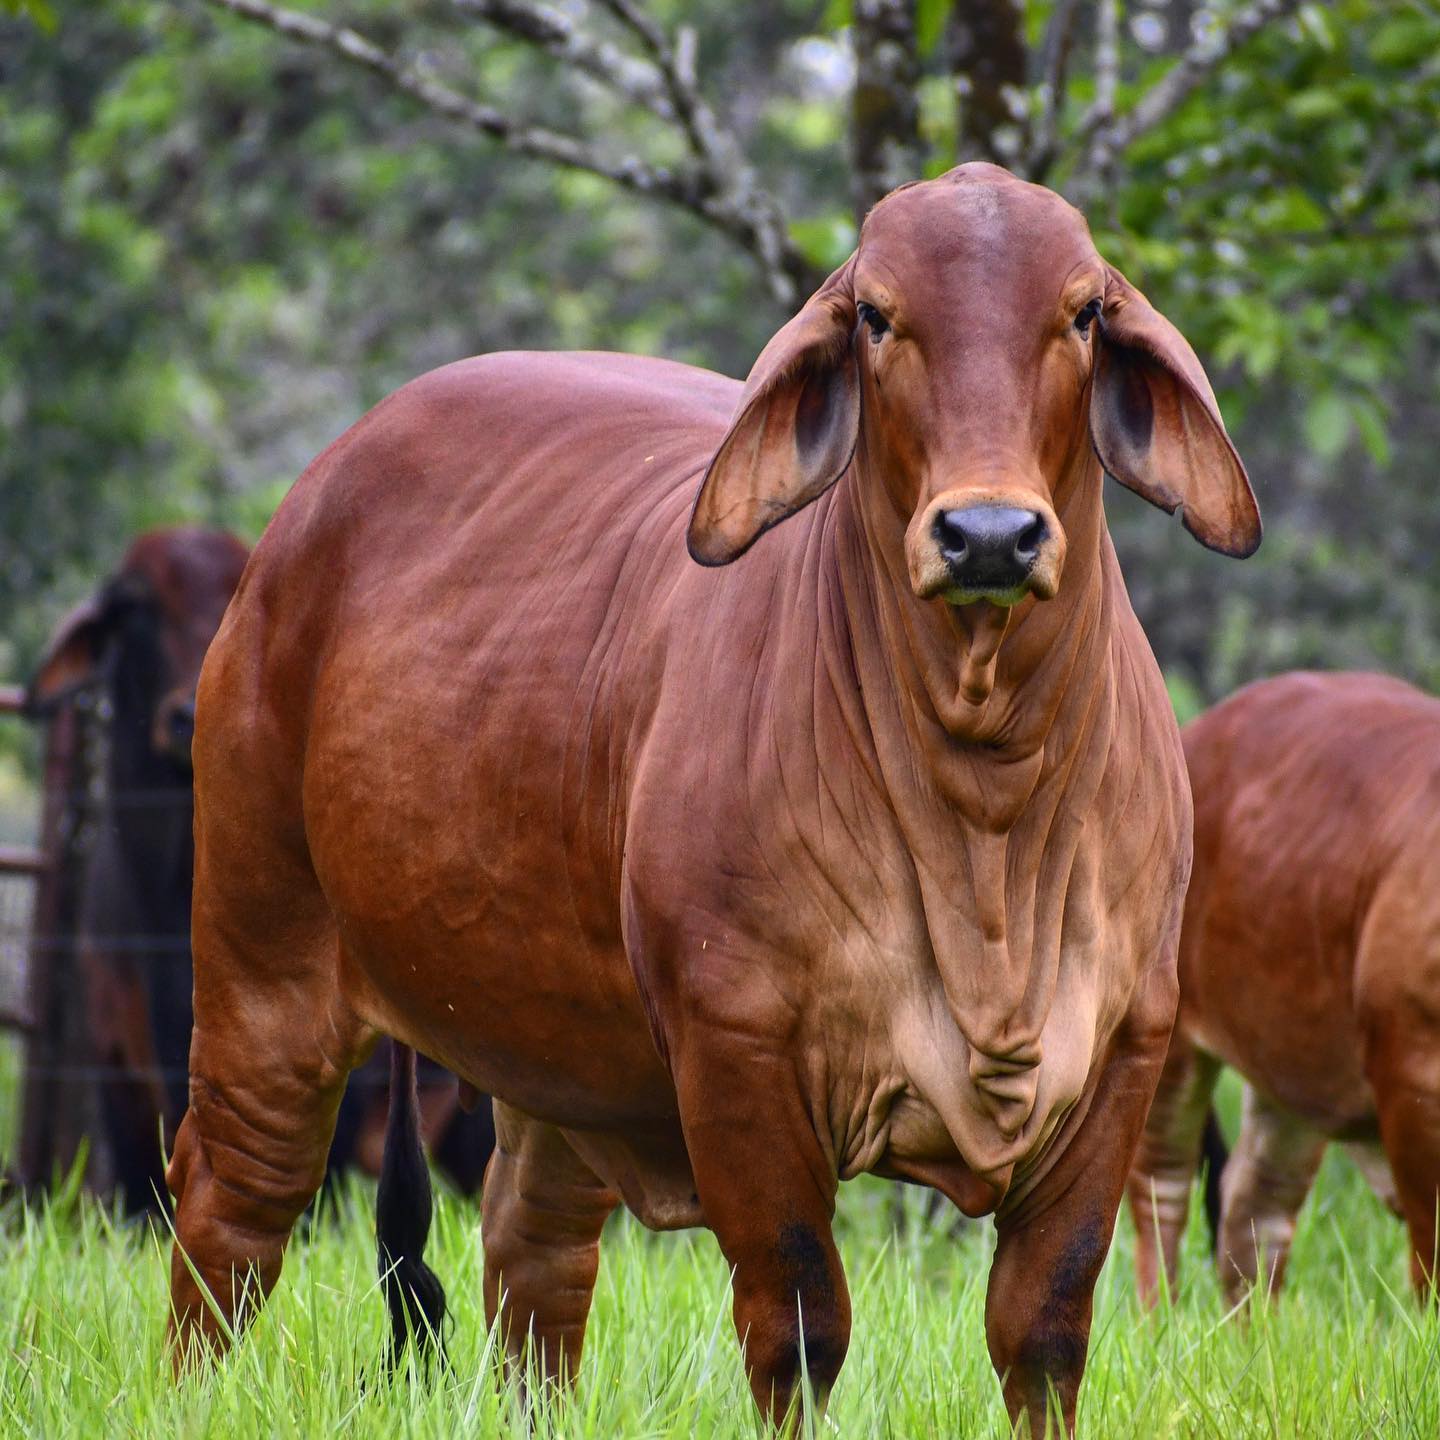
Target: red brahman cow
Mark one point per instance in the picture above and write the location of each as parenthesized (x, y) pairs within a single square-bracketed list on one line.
[(1309, 961), (866, 853), (141, 638)]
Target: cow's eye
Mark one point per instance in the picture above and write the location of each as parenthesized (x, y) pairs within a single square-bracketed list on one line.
[(870, 316), (1088, 312)]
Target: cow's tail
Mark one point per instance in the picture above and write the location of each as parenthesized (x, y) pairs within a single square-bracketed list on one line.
[(1214, 1152), (403, 1206)]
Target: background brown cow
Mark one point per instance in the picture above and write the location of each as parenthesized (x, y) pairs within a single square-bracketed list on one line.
[(1309, 961)]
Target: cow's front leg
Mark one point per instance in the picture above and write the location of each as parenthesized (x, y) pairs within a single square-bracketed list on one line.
[(767, 1188), (1052, 1243)]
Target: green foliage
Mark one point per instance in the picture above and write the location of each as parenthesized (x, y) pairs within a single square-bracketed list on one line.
[(220, 253), (40, 11), (1288, 219), (1288, 212), (221, 248)]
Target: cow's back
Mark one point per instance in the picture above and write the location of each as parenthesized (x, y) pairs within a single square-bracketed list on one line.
[(426, 686), (1311, 790), (498, 475)]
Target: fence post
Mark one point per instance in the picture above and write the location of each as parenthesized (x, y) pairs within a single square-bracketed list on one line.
[(56, 1098)]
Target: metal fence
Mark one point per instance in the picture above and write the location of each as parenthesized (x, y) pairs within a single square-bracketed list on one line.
[(41, 1008)]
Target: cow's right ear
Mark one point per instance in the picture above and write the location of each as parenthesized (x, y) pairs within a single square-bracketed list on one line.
[(794, 429), (71, 658)]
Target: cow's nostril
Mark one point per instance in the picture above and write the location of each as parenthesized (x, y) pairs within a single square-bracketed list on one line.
[(950, 532), (1027, 547)]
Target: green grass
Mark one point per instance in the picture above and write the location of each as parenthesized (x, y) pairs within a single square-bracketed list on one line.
[(1344, 1352)]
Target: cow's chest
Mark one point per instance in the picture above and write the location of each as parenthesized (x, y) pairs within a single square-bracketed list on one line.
[(908, 1090)]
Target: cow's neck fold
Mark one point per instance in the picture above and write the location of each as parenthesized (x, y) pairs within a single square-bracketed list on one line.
[(992, 731), (974, 675)]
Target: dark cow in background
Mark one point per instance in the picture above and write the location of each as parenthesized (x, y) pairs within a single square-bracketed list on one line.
[(141, 638), (1310, 962)]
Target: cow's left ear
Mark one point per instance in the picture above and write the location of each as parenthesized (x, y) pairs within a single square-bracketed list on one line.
[(1157, 429), (71, 657), (794, 429)]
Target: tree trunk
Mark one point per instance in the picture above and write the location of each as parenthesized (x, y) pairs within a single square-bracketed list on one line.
[(985, 50), (885, 121)]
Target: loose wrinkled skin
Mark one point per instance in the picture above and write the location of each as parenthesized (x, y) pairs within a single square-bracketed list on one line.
[(728, 883), (1309, 961), (141, 638)]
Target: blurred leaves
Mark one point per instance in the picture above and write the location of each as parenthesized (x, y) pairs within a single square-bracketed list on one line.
[(40, 11), (220, 249)]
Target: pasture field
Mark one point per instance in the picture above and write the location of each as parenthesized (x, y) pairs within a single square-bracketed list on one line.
[(1345, 1352)]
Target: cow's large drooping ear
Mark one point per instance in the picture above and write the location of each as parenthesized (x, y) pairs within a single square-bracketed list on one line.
[(71, 657), (794, 429), (1157, 429)]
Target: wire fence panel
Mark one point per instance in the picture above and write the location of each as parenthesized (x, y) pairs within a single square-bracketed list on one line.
[(50, 1115)]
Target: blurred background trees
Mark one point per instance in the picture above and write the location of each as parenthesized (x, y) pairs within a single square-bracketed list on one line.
[(226, 234)]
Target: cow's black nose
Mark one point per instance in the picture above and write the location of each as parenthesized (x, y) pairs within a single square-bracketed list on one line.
[(989, 547)]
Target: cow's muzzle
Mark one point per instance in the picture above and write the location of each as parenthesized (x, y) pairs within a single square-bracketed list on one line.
[(986, 548)]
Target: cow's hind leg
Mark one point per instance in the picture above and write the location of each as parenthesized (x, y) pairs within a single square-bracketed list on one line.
[(1397, 982), (1265, 1184), (543, 1211), (272, 1046), (1166, 1161), (1410, 1123)]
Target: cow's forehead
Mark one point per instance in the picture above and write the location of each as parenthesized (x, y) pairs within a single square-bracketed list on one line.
[(977, 216)]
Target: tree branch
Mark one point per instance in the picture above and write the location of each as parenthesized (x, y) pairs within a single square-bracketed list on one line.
[(533, 140), (554, 32), (718, 154), (1107, 82), (716, 191), (677, 69), (1112, 135), (1055, 57)]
